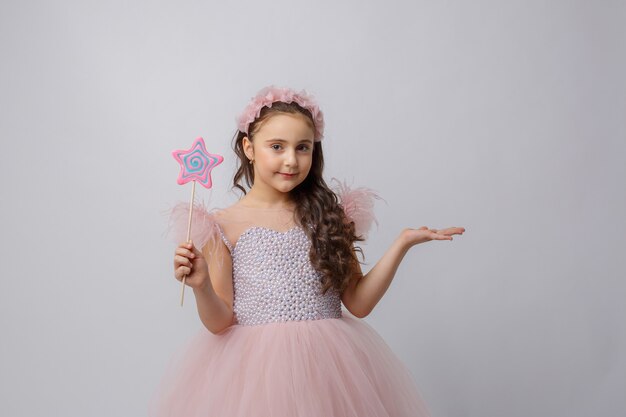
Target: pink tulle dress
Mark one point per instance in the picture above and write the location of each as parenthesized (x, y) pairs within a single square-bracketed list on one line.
[(291, 350)]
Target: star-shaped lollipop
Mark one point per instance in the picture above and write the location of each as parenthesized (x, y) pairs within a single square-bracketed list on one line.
[(196, 164)]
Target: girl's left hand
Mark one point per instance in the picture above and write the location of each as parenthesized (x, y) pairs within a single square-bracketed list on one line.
[(424, 234)]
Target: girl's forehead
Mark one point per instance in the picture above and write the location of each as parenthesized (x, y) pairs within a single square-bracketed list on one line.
[(286, 126)]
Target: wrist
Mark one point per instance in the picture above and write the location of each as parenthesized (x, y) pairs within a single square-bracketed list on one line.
[(404, 238), (204, 289)]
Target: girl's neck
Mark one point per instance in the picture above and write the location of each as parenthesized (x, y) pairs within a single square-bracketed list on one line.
[(255, 199)]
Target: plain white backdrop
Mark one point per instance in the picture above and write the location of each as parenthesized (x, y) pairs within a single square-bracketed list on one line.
[(506, 118)]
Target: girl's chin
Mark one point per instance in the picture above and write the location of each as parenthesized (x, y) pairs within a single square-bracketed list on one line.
[(286, 186)]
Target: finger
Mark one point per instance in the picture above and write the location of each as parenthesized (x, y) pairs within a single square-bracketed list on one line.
[(182, 261), (192, 251), (452, 231), (178, 275), (184, 245), (196, 252), (184, 252), (182, 271)]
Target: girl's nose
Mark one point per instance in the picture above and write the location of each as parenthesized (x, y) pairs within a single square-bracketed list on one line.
[(290, 158)]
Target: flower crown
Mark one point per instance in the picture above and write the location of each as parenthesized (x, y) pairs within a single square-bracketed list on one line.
[(268, 95)]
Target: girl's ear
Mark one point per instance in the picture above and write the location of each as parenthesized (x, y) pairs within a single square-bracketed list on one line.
[(247, 147)]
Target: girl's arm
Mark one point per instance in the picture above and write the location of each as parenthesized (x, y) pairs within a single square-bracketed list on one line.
[(215, 299), (365, 291)]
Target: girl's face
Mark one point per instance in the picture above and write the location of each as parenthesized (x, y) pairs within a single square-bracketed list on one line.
[(282, 152)]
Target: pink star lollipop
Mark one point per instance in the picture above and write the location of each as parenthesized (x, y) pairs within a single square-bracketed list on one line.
[(196, 164)]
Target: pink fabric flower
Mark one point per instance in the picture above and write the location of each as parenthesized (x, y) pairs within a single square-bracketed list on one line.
[(268, 95)]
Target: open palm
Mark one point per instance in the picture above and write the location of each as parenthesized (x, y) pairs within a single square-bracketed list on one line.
[(424, 234)]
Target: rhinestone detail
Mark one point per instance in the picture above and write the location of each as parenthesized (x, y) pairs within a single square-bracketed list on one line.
[(274, 281)]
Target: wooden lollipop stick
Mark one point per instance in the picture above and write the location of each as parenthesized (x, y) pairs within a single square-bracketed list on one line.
[(193, 194)]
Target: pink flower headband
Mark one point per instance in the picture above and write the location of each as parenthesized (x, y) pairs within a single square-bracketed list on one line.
[(268, 95)]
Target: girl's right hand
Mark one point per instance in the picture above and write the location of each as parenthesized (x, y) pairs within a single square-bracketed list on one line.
[(189, 261)]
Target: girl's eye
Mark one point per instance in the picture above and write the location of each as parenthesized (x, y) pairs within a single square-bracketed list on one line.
[(277, 147)]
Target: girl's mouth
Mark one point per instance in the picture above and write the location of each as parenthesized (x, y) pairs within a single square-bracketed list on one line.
[(287, 175)]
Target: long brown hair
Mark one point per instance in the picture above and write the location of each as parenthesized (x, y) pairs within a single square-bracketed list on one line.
[(331, 233)]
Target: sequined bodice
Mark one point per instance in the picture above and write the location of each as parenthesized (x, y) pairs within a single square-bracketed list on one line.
[(273, 278)]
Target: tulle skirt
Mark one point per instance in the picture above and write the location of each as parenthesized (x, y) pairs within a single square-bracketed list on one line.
[(337, 367)]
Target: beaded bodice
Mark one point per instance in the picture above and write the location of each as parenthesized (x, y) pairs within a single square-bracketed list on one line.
[(273, 279)]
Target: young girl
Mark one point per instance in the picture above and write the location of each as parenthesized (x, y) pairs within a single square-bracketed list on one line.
[(270, 284)]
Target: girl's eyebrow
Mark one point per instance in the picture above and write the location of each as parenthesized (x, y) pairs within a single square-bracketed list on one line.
[(283, 140)]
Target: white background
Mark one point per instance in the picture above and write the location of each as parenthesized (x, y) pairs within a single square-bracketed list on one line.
[(506, 118)]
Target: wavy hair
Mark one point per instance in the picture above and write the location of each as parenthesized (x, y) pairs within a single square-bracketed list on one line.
[(332, 234)]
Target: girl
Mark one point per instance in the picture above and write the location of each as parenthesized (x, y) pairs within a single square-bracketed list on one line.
[(269, 282)]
